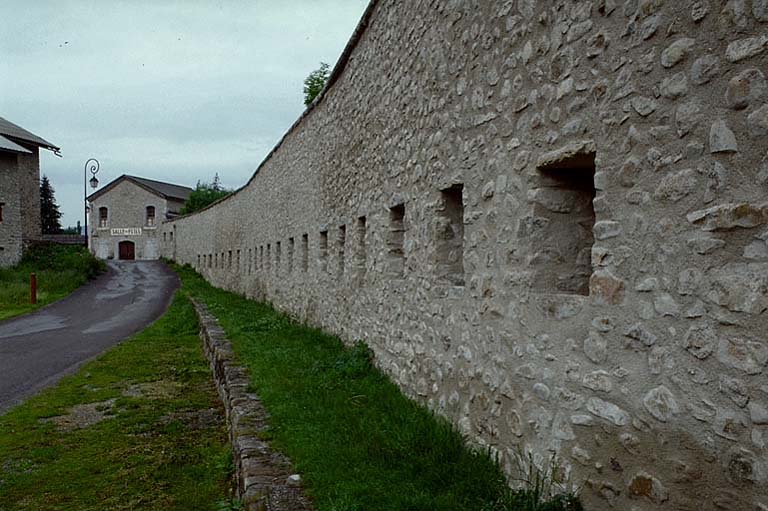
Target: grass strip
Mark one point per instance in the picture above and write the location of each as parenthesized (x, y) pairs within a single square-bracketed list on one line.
[(60, 270), (140, 427), (357, 441)]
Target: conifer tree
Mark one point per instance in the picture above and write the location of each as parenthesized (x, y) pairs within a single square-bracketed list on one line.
[(49, 211)]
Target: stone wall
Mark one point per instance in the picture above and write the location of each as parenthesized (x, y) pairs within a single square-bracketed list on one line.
[(126, 207), (10, 228), (20, 196), (549, 220)]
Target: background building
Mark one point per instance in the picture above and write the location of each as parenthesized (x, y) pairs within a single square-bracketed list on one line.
[(124, 216), (19, 189)]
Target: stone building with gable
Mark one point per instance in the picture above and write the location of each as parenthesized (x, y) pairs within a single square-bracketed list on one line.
[(125, 214), (19, 189)]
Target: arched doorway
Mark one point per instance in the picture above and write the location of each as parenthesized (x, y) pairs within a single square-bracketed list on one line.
[(126, 250)]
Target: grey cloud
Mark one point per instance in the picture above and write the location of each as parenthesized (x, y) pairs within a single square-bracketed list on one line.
[(171, 90)]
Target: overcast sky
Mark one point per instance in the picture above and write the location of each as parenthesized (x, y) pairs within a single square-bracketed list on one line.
[(169, 90)]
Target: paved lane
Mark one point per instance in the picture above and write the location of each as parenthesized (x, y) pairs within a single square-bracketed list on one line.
[(38, 349)]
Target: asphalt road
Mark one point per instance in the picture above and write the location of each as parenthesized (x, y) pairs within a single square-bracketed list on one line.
[(38, 349)]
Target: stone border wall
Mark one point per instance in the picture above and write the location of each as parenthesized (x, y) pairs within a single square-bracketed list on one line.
[(646, 371), (264, 478)]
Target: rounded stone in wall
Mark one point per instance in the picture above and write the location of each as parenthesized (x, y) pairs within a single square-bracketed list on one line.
[(745, 88)]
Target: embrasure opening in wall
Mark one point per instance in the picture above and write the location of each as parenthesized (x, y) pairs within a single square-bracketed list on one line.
[(342, 248), (323, 253), (290, 255), (361, 255), (278, 250), (395, 241), (304, 252), (449, 235), (562, 249)]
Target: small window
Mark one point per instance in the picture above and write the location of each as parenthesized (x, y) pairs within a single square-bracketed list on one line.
[(361, 255), (103, 216), (269, 257), (198, 260), (216, 260), (250, 260), (238, 261), (342, 241), (323, 255), (2, 206), (261, 258), (305, 252), (165, 237), (150, 216), (229, 260), (171, 234), (290, 255), (210, 259), (395, 241), (448, 235)]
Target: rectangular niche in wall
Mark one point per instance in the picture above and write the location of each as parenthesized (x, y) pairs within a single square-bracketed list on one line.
[(361, 255), (323, 251), (396, 240), (561, 251), (448, 236), (277, 257), (304, 252), (290, 255), (342, 241)]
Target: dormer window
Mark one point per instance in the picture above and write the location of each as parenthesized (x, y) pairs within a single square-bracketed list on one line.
[(150, 216), (103, 214)]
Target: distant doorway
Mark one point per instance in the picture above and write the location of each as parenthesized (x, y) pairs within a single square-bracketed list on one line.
[(127, 250)]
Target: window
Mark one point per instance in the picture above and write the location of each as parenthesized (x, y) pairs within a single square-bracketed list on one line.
[(216, 260), (562, 251), (150, 216), (290, 255), (305, 252), (165, 237), (229, 260), (269, 257), (103, 215), (261, 258), (210, 259), (198, 260), (360, 255), (395, 241), (323, 255), (448, 235), (171, 234), (238, 261), (2, 205), (250, 261)]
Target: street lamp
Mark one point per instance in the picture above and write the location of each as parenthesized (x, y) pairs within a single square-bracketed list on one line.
[(91, 165)]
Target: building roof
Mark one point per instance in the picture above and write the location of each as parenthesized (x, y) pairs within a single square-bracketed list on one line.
[(14, 133), (164, 190), (6, 144)]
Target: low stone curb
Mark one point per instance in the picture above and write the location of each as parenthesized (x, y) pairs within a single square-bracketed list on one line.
[(264, 478)]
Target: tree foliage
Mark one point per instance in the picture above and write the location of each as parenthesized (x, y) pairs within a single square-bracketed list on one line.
[(49, 211), (203, 195), (315, 82)]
